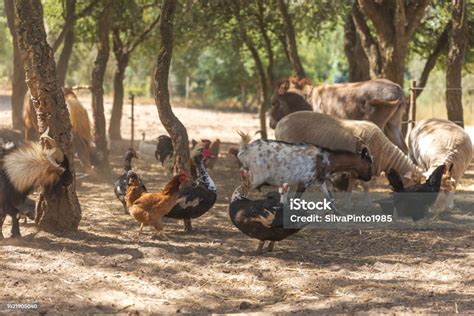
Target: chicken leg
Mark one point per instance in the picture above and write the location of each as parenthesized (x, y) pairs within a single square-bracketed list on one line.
[(260, 246), (188, 226), (271, 245)]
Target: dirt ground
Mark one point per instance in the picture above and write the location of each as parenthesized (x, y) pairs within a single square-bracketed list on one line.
[(102, 268)]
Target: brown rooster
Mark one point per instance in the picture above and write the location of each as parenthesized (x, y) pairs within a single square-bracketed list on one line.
[(149, 208)]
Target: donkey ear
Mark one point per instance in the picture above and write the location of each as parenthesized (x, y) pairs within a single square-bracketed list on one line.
[(282, 87)]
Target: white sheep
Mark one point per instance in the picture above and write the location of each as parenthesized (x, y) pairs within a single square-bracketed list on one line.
[(434, 142), (331, 132)]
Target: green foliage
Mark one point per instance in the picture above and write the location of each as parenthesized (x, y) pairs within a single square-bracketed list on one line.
[(209, 49), (6, 53)]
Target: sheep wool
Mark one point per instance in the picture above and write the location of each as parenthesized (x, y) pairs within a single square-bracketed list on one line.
[(339, 134), (434, 142)]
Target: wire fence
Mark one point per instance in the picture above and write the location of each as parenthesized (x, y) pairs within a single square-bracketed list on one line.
[(432, 103)]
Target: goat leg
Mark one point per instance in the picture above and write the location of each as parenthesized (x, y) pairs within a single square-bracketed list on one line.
[(327, 194), (300, 189), (260, 246)]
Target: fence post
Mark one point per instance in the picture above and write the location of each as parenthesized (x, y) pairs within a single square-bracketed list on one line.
[(412, 112), (132, 118)]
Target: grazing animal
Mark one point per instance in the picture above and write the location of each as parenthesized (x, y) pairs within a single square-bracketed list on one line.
[(198, 198), (338, 134), (24, 169), (434, 142), (81, 127), (260, 219), (415, 201), (275, 162), (380, 101), (120, 185), (149, 208)]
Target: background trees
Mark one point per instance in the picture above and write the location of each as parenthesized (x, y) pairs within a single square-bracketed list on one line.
[(97, 81), (456, 49), (229, 54), (130, 29), (60, 212), (18, 77), (172, 124)]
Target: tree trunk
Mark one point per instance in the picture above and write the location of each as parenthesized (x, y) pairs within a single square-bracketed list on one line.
[(263, 83), (356, 58), (172, 124), (262, 109), (18, 79), (98, 72), (116, 118), (441, 45), (59, 212), (394, 24), (457, 47), (268, 44), (296, 65), (68, 44)]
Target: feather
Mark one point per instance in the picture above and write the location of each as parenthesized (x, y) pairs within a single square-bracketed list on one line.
[(30, 166)]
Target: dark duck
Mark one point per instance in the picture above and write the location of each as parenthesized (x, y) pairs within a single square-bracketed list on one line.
[(197, 198), (121, 185), (415, 201), (260, 219)]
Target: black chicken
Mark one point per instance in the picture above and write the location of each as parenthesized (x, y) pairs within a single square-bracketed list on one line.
[(164, 149), (414, 201), (260, 219), (120, 186), (197, 199), (164, 153)]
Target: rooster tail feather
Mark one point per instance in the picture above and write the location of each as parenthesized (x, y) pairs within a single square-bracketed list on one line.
[(31, 166)]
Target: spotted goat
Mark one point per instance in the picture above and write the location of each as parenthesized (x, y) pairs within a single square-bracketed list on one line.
[(271, 162)]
